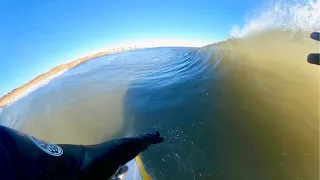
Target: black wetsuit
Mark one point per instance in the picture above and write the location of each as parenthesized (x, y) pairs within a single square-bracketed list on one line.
[(25, 157)]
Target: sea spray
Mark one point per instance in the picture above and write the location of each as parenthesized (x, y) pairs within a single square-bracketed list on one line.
[(284, 15)]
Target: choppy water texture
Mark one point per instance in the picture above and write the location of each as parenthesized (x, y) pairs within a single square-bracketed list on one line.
[(243, 109)]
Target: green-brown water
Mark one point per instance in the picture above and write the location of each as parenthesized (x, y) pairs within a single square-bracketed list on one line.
[(246, 108)]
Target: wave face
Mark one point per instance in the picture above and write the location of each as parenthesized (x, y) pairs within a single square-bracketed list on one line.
[(245, 108)]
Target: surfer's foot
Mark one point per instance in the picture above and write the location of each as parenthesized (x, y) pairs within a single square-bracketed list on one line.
[(115, 178), (122, 169)]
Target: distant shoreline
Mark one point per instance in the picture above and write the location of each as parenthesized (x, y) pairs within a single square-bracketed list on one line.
[(6, 99)]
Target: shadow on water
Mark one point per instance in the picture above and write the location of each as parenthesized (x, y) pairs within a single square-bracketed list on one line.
[(204, 139), (182, 112)]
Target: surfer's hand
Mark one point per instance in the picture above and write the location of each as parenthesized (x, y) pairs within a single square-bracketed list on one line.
[(314, 58), (315, 36), (103, 160), (152, 138)]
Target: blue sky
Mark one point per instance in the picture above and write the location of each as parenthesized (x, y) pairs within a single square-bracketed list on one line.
[(36, 35)]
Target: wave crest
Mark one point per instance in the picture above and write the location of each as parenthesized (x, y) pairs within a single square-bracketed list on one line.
[(294, 15)]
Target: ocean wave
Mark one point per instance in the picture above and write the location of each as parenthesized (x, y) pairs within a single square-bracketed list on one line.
[(250, 101), (33, 88), (292, 15)]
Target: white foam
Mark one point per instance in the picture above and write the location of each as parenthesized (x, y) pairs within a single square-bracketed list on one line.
[(292, 15)]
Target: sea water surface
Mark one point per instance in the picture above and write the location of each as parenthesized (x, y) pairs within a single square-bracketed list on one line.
[(246, 108)]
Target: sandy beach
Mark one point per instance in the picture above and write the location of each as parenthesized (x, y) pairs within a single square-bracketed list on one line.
[(11, 96)]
